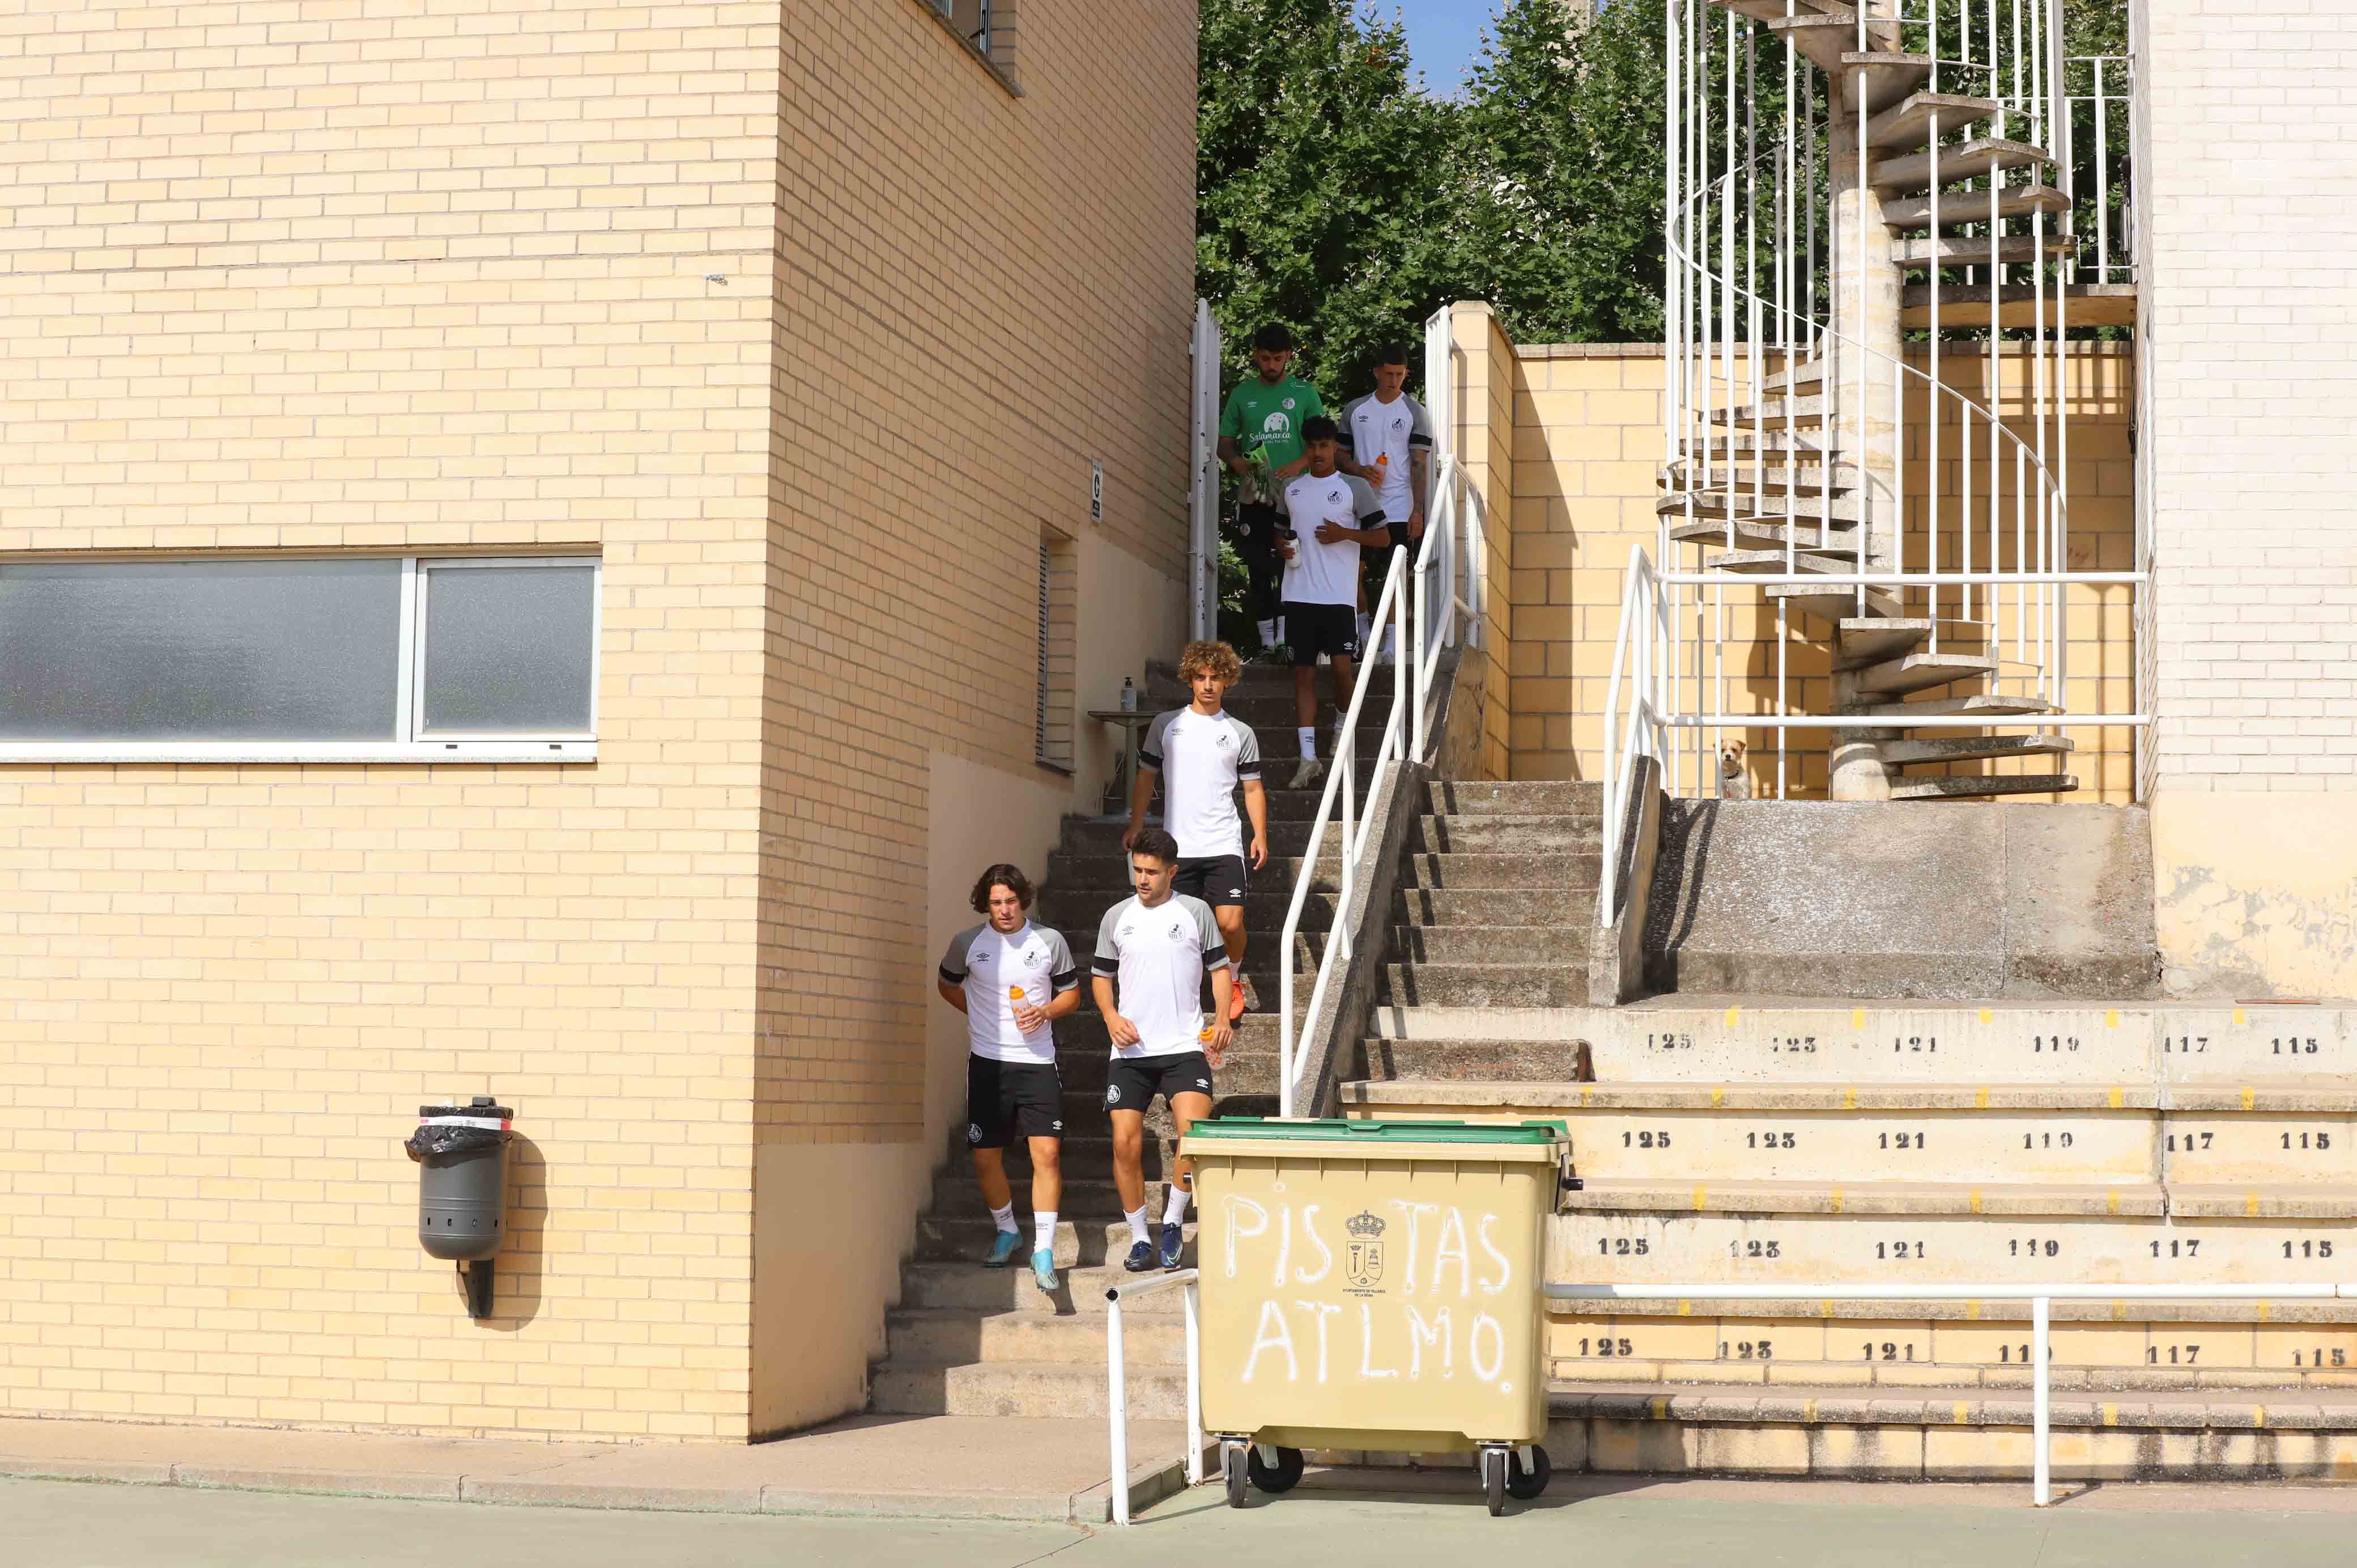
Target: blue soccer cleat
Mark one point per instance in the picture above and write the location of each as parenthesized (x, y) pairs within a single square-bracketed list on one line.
[(1043, 1271), (1003, 1248), (1141, 1257), (1173, 1239)]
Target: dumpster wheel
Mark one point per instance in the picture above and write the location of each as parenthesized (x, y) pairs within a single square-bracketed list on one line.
[(1232, 1469), (1524, 1485), (1493, 1479), (1284, 1478)]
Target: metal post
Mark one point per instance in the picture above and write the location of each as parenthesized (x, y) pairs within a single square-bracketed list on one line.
[(1117, 1409), (2042, 1485), (1193, 1308)]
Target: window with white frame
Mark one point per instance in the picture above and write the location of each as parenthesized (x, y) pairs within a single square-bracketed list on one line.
[(329, 658)]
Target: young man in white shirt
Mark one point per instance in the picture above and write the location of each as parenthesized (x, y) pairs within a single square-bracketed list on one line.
[(1389, 437), (1013, 980), (1201, 752), (1330, 515), (1153, 951)]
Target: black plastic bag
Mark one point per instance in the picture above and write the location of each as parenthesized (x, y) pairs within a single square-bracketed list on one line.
[(431, 1142)]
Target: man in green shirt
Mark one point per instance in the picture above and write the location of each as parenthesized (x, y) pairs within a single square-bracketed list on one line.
[(1260, 440)]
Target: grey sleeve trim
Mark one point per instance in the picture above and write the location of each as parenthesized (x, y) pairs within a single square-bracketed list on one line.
[(1150, 751)]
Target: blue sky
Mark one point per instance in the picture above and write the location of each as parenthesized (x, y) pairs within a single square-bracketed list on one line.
[(1443, 38)]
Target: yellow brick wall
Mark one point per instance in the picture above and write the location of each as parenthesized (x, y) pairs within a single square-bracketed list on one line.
[(1587, 448), (807, 324)]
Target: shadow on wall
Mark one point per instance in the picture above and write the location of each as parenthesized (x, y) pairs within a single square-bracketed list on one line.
[(516, 1289)]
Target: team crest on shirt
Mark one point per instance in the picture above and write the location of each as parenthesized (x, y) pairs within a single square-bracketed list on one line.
[(1223, 742)]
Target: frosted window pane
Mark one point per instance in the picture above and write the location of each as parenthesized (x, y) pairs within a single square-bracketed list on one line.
[(508, 649), (200, 650)]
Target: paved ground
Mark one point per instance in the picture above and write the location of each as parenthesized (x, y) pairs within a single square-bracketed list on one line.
[(1600, 1521)]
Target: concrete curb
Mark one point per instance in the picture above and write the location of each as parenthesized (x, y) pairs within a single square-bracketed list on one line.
[(1149, 1483)]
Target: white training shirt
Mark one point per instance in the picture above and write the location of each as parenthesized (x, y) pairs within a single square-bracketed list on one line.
[(1200, 757), (1398, 430), (989, 966), (1158, 959), (1326, 573)]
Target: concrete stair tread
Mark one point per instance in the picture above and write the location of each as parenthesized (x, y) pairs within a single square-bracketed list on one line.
[(1955, 707), (1837, 546), (1964, 251), (1961, 1404), (1918, 671), (1971, 787), (1972, 207), (2256, 1200), (1770, 413), (1958, 162), (1623, 1194), (1831, 1305), (1967, 305), (1868, 1097), (968, 1290), (1771, 563), (1915, 120), (1974, 748), (1834, 603), (1860, 643), (1886, 75)]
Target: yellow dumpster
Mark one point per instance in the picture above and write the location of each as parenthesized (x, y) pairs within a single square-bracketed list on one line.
[(1375, 1285)]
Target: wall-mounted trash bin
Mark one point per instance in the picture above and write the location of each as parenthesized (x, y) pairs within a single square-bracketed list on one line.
[(1375, 1285), (462, 1189)]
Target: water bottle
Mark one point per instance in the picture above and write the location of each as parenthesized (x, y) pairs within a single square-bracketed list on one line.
[(1129, 696)]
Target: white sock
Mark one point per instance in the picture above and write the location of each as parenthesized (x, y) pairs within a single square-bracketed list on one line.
[(1268, 634), (1366, 625), (1136, 1218), (1004, 1218), (1308, 734), (1043, 1230), (1174, 1208)]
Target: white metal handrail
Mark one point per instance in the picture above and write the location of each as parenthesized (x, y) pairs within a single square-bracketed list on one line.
[(2040, 1297), (1642, 607), (1117, 1377), (1341, 789)]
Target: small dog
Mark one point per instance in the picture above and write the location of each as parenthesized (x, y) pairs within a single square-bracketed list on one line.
[(1734, 783)]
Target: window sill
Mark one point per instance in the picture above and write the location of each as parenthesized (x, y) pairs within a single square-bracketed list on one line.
[(997, 73), (1063, 769), (446, 752)]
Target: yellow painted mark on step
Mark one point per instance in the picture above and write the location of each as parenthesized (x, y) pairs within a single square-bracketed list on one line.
[(1660, 1409), (2111, 1415), (1850, 1097), (2267, 1312), (1826, 1309), (2250, 1097), (2111, 1018), (1685, 1309), (2250, 1206), (2119, 1097), (1701, 1198), (1586, 1097), (2258, 1415), (1857, 1018), (1972, 1312), (1809, 1410), (1960, 1413), (1976, 1200), (1980, 1100), (1717, 1095), (1733, 1015), (1986, 1015), (2238, 1018), (1838, 1200), (2111, 1203)]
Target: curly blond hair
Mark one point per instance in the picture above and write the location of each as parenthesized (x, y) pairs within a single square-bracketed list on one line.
[(1212, 658)]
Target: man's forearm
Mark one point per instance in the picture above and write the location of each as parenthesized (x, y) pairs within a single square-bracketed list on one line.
[(1065, 1003), (1256, 807), (1141, 795)]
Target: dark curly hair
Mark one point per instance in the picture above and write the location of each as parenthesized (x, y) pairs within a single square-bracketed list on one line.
[(1011, 876)]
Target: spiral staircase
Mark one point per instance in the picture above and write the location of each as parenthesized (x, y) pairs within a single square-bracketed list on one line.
[(1907, 179)]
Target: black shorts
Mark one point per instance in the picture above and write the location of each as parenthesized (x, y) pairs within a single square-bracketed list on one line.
[(1216, 879), (1313, 630), (1132, 1084), (1005, 1101)]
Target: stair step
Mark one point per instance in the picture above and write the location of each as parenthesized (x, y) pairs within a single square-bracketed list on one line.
[(1546, 796), (1921, 671), (1672, 1196), (1807, 373), (966, 1236), (1085, 1198), (1961, 207), (1771, 449), (1496, 833), (1772, 413), (1467, 1060), (1771, 563), (1962, 161), (1837, 544), (1993, 703), (1439, 909), (1967, 305), (1968, 250), (954, 1339), (1836, 511), (1775, 476), (966, 1286), (1976, 786), (1916, 120), (1536, 870), (1888, 75), (1480, 985), (1833, 603), (1538, 945), (1974, 748), (1024, 1388), (1869, 641)]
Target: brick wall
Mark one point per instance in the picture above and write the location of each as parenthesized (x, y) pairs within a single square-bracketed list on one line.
[(804, 324)]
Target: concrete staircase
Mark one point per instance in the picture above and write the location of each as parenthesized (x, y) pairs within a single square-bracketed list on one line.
[(972, 1341), (2031, 1142)]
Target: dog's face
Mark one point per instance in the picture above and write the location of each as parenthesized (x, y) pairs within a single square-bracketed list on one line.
[(1730, 757)]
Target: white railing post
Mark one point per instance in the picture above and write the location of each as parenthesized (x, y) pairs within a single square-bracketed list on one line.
[(1190, 1301), (2041, 1485), (1117, 1407)]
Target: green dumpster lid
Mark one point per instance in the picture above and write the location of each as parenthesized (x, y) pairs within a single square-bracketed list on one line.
[(1337, 1130)]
